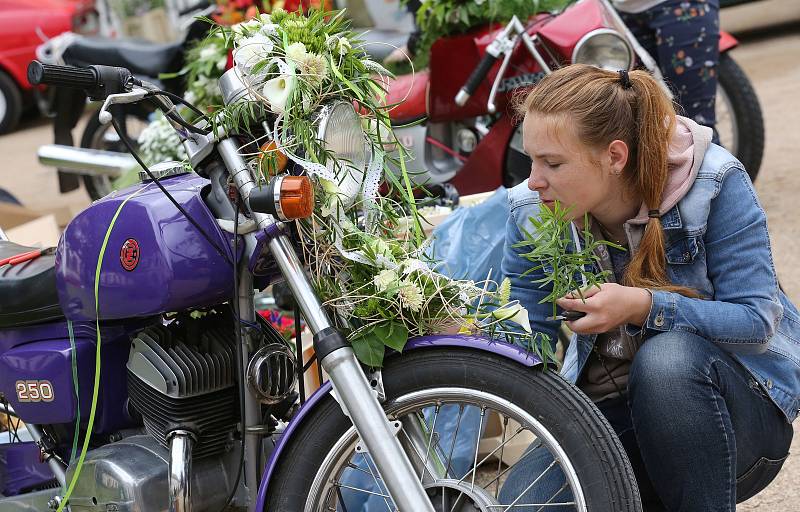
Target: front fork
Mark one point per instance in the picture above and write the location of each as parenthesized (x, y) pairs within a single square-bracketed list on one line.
[(339, 361)]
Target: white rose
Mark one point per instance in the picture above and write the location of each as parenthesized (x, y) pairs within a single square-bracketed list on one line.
[(385, 279), (252, 50)]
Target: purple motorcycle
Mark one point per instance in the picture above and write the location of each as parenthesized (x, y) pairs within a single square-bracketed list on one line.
[(146, 382)]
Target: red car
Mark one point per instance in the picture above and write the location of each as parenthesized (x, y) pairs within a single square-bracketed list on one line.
[(23, 23)]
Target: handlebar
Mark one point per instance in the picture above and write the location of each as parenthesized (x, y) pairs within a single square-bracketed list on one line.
[(475, 79), (98, 81)]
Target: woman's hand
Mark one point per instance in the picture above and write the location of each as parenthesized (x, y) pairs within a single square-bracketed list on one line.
[(607, 306)]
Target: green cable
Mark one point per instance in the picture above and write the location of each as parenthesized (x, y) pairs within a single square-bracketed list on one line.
[(92, 411), (77, 393)]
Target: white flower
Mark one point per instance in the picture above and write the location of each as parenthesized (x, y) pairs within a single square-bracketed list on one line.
[(515, 313), (245, 28), (277, 90), (221, 63), (385, 279), (411, 264), (252, 50), (296, 53), (344, 46), (410, 296), (208, 53), (330, 203), (265, 18), (380, 248), (269, 29), (190, 96), (314, 67)]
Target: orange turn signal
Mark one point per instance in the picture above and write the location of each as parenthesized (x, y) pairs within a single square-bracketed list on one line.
[(272, 160), (296, 197), (285, 197)]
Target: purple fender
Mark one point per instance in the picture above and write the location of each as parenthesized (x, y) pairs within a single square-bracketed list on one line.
[(507, 350)]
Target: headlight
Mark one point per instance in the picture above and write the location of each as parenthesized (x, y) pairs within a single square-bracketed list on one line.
[(604, 48), (340, 130)]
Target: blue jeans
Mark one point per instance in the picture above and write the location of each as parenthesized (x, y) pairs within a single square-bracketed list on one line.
[(683, 37), (693, 424)]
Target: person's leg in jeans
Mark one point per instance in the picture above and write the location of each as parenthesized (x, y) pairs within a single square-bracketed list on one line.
[(700, 420), (683, 37)]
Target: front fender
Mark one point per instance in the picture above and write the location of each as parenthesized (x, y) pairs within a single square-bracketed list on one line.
[(506, 350)]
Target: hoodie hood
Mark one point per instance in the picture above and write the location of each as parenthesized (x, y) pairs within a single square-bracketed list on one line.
[(686, 151)]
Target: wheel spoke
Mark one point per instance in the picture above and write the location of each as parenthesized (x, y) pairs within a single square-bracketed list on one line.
[(532, 484), (430, 440), (453, 442), (375, 479), (500, 459)]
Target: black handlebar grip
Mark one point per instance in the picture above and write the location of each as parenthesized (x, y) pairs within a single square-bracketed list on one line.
[(475, 79), (65, 76)]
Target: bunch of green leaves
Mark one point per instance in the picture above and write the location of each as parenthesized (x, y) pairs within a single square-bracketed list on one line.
[(441, 18), (391, 294), (553, 250)]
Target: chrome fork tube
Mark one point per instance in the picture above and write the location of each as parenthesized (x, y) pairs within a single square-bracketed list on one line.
[(252, 407), (348, 380), (180, 470)]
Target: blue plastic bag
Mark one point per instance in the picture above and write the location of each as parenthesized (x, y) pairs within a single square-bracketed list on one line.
[(469, 243)]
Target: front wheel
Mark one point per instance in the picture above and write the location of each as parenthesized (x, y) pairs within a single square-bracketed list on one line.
[(483, 432), (740, 124)]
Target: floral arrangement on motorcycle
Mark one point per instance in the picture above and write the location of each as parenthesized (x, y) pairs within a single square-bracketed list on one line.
[(326, 103)]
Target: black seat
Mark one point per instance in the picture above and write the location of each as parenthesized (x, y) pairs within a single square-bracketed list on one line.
[(28, 290), (140, 57)]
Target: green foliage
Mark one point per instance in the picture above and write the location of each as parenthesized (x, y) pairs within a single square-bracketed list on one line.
[(441, 18), (552, 248)]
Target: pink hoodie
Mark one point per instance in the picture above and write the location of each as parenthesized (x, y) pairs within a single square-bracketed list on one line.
[(686, 150)]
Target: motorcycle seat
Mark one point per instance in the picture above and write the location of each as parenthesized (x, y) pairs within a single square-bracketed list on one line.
[(411, 93), (140, 57), (27, 290)]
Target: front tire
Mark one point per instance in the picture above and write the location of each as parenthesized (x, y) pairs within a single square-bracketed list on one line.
[(594, 453)]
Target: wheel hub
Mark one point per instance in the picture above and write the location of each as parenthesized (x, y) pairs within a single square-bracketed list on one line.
[(452, 495)]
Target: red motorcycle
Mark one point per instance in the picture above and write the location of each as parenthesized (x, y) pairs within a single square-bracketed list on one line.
[(460, 125)]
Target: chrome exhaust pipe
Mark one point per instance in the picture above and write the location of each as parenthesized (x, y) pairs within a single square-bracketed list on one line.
[(93, 162), (180, 470)]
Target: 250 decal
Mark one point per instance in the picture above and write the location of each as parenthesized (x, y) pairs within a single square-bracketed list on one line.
[(34, 391)]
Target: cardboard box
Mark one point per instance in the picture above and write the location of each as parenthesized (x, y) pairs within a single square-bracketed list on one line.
[(28, 227)]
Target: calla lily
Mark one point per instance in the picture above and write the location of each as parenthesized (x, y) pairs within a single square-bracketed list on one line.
[(514, 313), (277, 90)]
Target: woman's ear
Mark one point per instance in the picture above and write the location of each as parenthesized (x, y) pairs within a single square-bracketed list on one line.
[(617, 154)]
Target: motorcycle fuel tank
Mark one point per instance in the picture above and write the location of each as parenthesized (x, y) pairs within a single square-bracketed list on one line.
[(155, 259)]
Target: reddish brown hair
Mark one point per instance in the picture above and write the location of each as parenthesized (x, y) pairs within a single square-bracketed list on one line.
[(600, 110)]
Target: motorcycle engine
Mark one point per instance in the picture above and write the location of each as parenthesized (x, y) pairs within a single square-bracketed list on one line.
[(182, 376)]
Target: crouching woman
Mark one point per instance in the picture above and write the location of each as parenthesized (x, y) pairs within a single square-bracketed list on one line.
[(692, 351)]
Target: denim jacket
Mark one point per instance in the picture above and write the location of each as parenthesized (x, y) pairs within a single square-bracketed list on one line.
[(716, 243)]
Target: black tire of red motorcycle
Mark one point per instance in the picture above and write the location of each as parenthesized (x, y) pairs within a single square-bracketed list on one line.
[(95, 185), (747, 113), (590, 443), (13, 100)]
